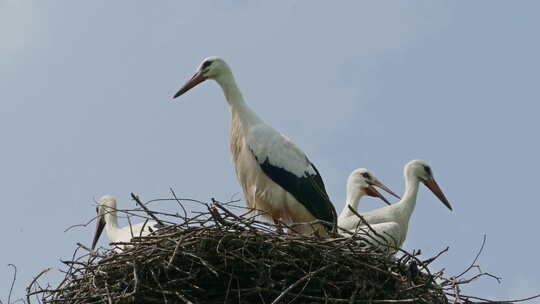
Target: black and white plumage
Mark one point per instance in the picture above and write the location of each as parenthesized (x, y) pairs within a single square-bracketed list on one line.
[(276, 177), (286, 165)]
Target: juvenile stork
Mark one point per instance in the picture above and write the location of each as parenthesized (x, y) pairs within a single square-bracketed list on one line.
[(360, 182), (108, 219), (277, 178), (390, 223)]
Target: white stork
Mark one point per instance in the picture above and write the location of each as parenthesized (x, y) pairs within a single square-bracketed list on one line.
[(391, 222), (276, 177), (360, 182), (108, 219)]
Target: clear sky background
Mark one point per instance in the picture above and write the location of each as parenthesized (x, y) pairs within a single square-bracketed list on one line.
[(85, 110)]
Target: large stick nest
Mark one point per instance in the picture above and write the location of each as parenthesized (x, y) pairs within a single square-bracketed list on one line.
[(216, 256)]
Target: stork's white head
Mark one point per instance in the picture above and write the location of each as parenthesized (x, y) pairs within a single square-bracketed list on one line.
[(363, 182), (106, 204), (210, 68), (420, 170)]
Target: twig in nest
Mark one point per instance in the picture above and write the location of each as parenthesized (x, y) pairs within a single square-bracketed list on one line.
[(365, 223), (430, 260), (475, 259), (150, 213), (179, 203), (12, 282), (29, 288), (306, 277)]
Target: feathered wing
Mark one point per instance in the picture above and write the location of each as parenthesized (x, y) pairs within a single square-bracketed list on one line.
[(286, 165), (136, 230), (387, 233)]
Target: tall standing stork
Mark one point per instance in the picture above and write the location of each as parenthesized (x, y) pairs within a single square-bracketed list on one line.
[(360, 182), (390, 223), (276, 177), (107, 218)]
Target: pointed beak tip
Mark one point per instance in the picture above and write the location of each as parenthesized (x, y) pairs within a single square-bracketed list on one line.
[(385, 200), (371, 191), (177, 94), (194, 81), (385, 188), (434, 187), (99, 229)]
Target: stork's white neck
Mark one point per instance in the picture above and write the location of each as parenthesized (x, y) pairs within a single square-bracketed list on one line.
[(235, 99), (354, 194), (111, 223), (408, 202)]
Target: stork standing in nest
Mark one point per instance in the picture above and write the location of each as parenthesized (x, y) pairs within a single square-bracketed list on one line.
[(276, 177)]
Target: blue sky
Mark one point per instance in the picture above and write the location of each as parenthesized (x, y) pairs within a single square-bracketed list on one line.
[(86, 111)]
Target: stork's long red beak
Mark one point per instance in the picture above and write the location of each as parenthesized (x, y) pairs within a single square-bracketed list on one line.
[(382, 186), (434, 187), (195, 80), (371, 191), (99, 229)]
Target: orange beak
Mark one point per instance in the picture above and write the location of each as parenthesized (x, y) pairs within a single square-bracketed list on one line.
[(371, 191), (434, 187), (382, 186), (195, 80)]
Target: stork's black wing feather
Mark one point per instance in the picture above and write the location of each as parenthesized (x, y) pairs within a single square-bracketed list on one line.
[(309, 190)]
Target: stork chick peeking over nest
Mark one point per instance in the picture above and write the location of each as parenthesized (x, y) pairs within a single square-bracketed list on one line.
[(361, 182), (389, 225), (108, 219), (277, 178)]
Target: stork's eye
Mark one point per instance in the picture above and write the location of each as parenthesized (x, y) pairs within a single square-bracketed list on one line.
[(428, 170), (366, 175), (206, 64), (97, 211)]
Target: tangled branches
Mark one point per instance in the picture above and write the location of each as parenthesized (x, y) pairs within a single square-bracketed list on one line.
[(217, 256)]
